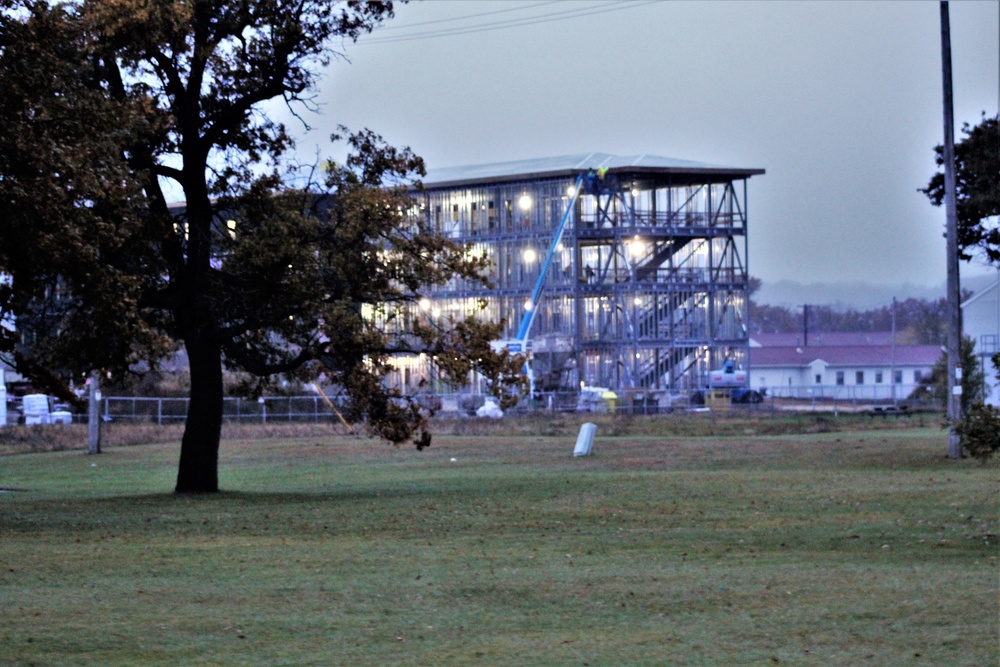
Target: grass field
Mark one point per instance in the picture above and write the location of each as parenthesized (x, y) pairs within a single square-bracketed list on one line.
[(854, 547)]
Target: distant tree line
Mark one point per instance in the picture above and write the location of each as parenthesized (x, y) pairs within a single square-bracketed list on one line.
[(918, 321)]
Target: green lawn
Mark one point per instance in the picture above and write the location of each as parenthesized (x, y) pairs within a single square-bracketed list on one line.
[(847, 548)]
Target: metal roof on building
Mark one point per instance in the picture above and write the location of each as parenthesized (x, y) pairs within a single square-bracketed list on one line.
[(570, 165), (846, 355)]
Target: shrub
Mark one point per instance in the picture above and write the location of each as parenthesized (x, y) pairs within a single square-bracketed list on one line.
[(979, 431)]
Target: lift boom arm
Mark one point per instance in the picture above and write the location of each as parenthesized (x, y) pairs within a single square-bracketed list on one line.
[(536, 293)]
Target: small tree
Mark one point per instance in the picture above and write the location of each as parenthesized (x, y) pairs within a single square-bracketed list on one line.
[(972, 378), (979, 430)]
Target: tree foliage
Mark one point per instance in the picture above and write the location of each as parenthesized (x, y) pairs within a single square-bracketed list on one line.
[(918, 321), (973, 378), (979, 430), (765, 318), (107, 101), (977, 184), (70, 203)]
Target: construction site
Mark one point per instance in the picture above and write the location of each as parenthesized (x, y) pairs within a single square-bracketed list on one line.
[(625, 273)]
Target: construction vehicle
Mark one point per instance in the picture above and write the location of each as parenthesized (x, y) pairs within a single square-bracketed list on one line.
[(729, 385)]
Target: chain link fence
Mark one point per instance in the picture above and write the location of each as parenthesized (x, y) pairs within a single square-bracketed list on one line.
[(315, 410), (278, 409)]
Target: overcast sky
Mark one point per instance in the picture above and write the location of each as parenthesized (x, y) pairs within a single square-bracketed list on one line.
[(839, 101)]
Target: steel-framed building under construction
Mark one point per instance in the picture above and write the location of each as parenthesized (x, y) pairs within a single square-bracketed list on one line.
[(619, 272)]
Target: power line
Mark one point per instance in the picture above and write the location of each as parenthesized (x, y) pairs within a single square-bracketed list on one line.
[(531, 5), (497, 25), (510, 23)]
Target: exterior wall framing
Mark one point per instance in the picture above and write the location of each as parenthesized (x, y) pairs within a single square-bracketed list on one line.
[(647, 289)]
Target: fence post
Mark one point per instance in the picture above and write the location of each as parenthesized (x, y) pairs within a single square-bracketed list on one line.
[(93, 415)]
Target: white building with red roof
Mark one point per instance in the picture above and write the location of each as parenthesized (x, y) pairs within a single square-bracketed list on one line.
[(875, 370)]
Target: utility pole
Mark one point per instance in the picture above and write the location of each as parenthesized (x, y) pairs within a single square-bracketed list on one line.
[(805, 325), (953, 296), (892, 366)]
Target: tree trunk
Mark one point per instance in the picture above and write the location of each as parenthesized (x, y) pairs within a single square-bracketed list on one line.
[(198, 471)]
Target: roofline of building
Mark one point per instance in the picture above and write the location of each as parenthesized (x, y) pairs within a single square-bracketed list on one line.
[(723, 174), (851, 364), (981, 293), (845, 364)]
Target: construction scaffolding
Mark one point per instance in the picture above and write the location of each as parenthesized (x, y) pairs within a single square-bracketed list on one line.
[(621, 272)]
